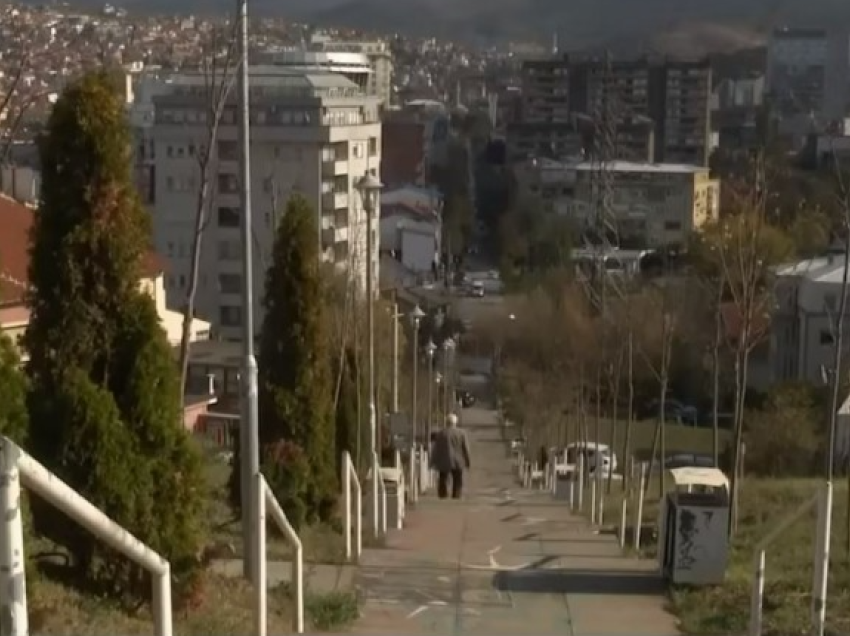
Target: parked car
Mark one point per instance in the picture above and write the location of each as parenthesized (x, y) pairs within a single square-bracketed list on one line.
[(477, 289)]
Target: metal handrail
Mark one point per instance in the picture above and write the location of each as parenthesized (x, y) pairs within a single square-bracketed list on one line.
[(349, 480), (822, 501), (16, 468), (382, 494), (265, 499), (414, 467)]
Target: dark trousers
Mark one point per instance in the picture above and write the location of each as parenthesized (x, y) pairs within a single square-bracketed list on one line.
[(456, 477)]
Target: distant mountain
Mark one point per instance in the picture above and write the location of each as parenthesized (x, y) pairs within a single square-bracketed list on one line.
[(579, 23)]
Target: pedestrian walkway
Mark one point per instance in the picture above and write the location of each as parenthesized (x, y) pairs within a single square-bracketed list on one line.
[(505, 561)]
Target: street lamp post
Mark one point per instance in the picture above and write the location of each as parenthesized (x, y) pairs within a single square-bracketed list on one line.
[(448, 346), (249, 431), (368, 186), (415, 319), (430, 349), (438, 380), (396, 316)]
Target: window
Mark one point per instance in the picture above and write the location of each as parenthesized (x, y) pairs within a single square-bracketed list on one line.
[(230, 315), (227, 184), (170, 248), (229, 250), (228, 217), (230, 283), (826, 337), (373, 146), (228, 150), (672, 226)]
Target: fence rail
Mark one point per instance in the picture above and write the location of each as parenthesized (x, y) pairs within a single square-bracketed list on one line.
[(352, 494), (17, 467), (267, 502), (822, 502)]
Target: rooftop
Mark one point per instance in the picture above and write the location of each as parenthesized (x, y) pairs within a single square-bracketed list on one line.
[(15, 223), (634, 166)]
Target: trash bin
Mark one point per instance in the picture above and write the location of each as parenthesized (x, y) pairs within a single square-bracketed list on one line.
[(693, 527), (564, 478)]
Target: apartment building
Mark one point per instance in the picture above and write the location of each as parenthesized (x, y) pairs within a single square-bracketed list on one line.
[(380, 60), (808, 76), (313, 133), (654, 204), (642, 110)]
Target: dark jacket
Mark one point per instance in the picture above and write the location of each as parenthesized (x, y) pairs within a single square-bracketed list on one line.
[(451, 450)]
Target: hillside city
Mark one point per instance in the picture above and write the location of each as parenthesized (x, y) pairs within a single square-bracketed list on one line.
[(618, 283)]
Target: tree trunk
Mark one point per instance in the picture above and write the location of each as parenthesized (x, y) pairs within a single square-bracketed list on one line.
[(715, 364), (201, 213), (627, 444), (741, 362)]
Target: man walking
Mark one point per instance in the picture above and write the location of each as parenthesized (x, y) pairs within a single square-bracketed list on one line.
[(450, 458)]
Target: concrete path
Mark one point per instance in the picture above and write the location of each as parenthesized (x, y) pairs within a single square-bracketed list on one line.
[(505, 561)]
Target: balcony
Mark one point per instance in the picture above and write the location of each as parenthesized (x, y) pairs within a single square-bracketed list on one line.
[(334, 167), (334, 200)]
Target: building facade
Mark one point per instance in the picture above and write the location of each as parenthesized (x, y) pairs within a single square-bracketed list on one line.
[(379, 56), (655, 204), (648, 110), (312, 133), (808, 76), (802, 335)]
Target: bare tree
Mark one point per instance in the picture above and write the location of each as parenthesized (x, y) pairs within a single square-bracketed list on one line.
[(218, 68), (838, 338), (743, 247)]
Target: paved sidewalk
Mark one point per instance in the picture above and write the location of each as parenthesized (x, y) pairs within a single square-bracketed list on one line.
[(505, 561)]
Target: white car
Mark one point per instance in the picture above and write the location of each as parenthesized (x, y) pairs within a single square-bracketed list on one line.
[(593, 453)]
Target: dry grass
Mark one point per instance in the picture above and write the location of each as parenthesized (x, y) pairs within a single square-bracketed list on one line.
[(322, 543), (721, 610), (764, 504), (223, 604), (225, 610)]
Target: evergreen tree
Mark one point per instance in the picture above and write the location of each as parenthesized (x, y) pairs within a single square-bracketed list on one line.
[(104, 391), (13, 406), (295, 381), (347, 404)]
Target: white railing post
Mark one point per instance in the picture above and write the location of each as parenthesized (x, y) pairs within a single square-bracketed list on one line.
[(414, 467), (346, 504), (823, 536), (349, 480), (580, 465), (823, 501), (13, 588), (640, 493), (757, 594), (375, 489), (261, 585), (279, 516), (381, 512)]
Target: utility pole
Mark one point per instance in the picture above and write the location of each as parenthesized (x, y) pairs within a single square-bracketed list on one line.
[(396, 317), (249, 431)]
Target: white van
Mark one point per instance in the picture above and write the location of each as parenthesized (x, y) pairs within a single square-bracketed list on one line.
[(592, 453)]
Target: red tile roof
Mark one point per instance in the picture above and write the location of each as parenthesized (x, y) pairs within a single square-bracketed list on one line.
[(15, 223)]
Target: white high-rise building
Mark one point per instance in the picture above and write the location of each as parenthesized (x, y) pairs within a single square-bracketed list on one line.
[(380, 58), (313, 133)]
